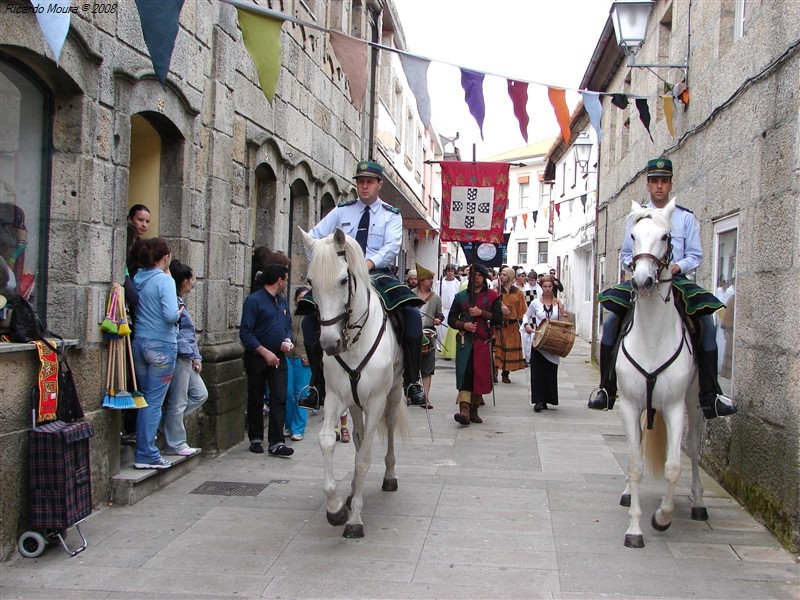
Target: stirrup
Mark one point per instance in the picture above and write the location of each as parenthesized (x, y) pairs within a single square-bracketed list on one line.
[(721, 407), (311, 399), (609, 403), (415, 394)]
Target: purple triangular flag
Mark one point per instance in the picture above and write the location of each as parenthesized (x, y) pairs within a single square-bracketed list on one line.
[(472, 82), (159, 20)]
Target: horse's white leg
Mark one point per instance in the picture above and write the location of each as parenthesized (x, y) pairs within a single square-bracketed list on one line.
[(630, 418), (693, 441), (625, 499), (391, 417), (357, 417), (355, 526), (335, 509), (662, 518)]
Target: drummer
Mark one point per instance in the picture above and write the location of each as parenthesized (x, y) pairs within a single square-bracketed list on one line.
[(432, 317), (544, 365)]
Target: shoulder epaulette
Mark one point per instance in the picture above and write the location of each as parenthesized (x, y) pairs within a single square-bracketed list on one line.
[(683, 208), (346, 202), (391, 208)]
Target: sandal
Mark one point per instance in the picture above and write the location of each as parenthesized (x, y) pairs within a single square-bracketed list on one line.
[(345, 435)]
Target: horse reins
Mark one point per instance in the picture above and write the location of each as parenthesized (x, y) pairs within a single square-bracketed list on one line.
[(661, 263)]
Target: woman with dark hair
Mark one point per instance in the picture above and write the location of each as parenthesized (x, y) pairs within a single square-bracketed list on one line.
[(544, 365), (187, 392), (155, 345), (138, 224)]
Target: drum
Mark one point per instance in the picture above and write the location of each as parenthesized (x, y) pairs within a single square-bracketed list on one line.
[(555, 337), (428, 340)]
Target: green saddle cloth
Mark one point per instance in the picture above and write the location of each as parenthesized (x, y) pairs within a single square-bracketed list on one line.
[(695, 300), (391, 291)]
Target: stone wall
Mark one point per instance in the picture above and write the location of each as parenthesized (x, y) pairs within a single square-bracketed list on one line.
[(736, 150), (217, 130)]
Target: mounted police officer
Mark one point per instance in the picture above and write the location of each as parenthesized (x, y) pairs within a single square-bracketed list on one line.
[(687, 254), (378, 228)]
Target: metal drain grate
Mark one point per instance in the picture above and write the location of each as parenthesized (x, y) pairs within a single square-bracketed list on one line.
[(229, 488), (613, 437)]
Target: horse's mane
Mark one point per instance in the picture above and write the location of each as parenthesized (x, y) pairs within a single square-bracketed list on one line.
[(325, 262), (657, 214)]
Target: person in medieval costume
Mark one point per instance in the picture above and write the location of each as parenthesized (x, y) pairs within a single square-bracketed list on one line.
[(447, 289), (508, 355), (474, 313)]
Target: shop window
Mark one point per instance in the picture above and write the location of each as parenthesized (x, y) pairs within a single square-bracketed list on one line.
[(726, 240), (25, 122)]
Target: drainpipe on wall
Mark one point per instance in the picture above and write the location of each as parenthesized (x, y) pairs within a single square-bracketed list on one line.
[(596, 282), (375, 10)]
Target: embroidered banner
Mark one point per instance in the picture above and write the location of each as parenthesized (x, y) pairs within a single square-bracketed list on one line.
[(474, 201)]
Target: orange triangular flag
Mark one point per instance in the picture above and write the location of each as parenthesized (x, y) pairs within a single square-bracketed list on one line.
[(525, 221), (352, 55), (669, 110), (559, 102)]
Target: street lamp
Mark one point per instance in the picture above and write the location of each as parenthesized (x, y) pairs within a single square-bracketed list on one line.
[(583, 151), (630, 18)]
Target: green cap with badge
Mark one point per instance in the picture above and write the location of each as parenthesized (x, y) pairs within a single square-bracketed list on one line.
[(369, 168), (659, 167)]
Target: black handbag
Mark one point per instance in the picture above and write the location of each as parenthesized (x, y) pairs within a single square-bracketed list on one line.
[(69, 406)]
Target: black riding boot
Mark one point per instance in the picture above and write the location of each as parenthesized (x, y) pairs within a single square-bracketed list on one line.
[(713, 403), (316, 391), (412, 354), (607, 394)]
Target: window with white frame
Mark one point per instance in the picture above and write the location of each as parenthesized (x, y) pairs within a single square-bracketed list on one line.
[(522, 253), (738, 19), (542, 252), (524, 192), (726, 241), (544, 194)]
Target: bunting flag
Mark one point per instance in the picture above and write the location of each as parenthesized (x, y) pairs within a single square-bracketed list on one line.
[(513, 223), (352, 55), (488, 255), (558, 210), (669, 111), (583, 202), (535, 215), (518, 92), (591, 102), (54, 25), (620, 101), (472, 82), (506, 224), (644, 114), (474, 201), (525, 220), (416, 70), (159, 19), (262, 38), (570, 203), (559, 102)]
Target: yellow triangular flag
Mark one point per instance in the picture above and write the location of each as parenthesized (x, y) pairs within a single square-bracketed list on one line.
[(262, 38), (669, 109)]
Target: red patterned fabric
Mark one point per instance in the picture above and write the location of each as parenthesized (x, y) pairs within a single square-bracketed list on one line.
[(474, 201), (48, 382)]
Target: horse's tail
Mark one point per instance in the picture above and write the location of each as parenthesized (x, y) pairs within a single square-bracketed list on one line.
[(654, 445), (402, 429)]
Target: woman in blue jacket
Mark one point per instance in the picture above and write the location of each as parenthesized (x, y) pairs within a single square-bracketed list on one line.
[(155, 345)]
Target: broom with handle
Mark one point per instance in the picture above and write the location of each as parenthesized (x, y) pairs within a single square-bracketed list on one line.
[(124, 397), (107, 403), (138, 397)]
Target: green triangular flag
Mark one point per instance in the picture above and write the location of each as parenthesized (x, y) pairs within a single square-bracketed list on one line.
[(262, 38)]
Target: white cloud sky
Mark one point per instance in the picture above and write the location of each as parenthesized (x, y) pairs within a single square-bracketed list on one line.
[(546, 41)]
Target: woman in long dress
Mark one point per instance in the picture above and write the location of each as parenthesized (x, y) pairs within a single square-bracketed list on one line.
[(508, 354), (544, 366)]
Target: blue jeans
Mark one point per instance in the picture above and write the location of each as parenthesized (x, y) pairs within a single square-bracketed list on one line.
[(299, 377), (186, 394), (154, 362)]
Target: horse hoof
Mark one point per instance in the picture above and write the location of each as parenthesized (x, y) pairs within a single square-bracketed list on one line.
[(634, 541), (699, 513), (389, 485), (338, 518), (625, 500), (353, 530), (658, 527)]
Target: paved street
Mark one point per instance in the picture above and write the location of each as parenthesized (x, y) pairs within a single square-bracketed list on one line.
[(523, 506)]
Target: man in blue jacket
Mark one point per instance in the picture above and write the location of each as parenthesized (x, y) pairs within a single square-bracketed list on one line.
[(266, 333)]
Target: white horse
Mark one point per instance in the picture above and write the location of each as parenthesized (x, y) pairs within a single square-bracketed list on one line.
[(363, 369), (656, 359)]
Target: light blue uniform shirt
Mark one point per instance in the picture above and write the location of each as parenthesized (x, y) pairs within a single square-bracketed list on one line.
[(385, 229), (687, 252)]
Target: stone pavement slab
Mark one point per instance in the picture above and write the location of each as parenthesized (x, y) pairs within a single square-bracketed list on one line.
[(525, 505)]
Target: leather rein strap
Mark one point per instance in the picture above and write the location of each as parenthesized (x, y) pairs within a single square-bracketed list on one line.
[(355, 374)]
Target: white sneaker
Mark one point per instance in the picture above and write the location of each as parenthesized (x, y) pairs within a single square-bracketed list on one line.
[(161, 463)]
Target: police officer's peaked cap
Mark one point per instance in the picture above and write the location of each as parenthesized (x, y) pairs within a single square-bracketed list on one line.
[(659, 167), (369, 168)]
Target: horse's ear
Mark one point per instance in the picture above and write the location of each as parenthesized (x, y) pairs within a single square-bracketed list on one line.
[(307, 240), (636, 208), (339, 239), (669, 208)]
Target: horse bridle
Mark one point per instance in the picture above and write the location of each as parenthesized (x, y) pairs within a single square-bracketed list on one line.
[(661, 263)]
